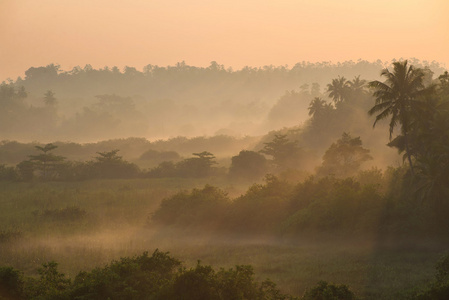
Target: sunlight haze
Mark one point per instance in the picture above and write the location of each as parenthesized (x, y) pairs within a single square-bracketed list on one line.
[(233, 33)]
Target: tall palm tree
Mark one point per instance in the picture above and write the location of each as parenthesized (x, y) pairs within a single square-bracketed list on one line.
[(357, 85), (338, 89), (316, 106), (397, 97)]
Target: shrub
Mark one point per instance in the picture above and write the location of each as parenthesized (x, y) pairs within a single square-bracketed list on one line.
[(248, 165), (8, 173), (202, 282), (51, 283), (326, 291), (156, 277), (439, 288), (262, 208), (139, 277), (198, 208), (11, 283)]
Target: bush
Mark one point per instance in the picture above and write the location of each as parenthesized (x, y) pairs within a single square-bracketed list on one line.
[(8, 173), (11, 283), (139, 277), (262, 208), (156, 277), (326, 291), (248, 165), (439, 288), (202, 282), (51, 283), (201, 207)]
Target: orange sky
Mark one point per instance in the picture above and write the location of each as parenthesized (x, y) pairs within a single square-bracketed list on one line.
[(233, 33)]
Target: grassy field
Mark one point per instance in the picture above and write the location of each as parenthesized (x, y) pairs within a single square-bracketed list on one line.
[(86, 224)]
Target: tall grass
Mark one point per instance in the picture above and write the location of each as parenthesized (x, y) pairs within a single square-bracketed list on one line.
[(86, 224)]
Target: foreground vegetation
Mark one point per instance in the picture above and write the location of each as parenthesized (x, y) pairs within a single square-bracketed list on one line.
[(87, 224), (158, 276)]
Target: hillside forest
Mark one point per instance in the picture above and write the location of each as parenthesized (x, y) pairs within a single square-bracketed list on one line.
[(330, 179)]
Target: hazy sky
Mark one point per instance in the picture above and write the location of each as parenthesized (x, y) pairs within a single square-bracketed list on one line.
[(232, 32)]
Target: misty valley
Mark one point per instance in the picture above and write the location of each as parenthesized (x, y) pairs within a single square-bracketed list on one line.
[(319, 181)]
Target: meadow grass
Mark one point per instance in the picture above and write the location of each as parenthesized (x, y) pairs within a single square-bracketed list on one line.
[(115, 225)]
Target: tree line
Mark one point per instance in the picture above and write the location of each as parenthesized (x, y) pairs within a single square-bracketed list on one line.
[(86, 104), (409, 97), (343, 158)]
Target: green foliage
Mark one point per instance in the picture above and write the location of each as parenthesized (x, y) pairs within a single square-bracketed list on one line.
[(158, 276), (398, 97), (163, 170), (110, 165), (333, 205), (51, 284), (442, 268), (319, 108), (344, 157), (285, 153), (11, 283), (261, 209), (50, 98), (200, 207), (8, 173), (11, 99), (199, 166), (25, 169), (248, 165), (202, 282), (197, 283), (444, 84), (139, 277), (338, 89), (326, 291), (371, 202), (423, 113), (47, 162), (438, 289)]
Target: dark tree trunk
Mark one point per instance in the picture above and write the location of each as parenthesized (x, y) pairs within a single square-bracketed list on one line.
[(407, 149)]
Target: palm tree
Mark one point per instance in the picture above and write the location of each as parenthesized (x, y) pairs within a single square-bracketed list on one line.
[(357, 85), (316, 106), (338, 89), (397, 97)]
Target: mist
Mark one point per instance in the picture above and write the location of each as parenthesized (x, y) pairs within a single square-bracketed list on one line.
[(298, 171), (165, 102)]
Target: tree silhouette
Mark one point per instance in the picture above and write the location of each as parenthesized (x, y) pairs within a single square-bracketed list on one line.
[(344, 157), (50, 98), (286, 154), (198, 166), (109, 157), (357, 86), (397, 97), (111, 165), (316, 106), (248, 164), (357, 83), (338, 89), (46, 161)]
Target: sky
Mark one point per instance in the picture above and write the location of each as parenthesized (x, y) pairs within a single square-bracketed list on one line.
[(235, 33)]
